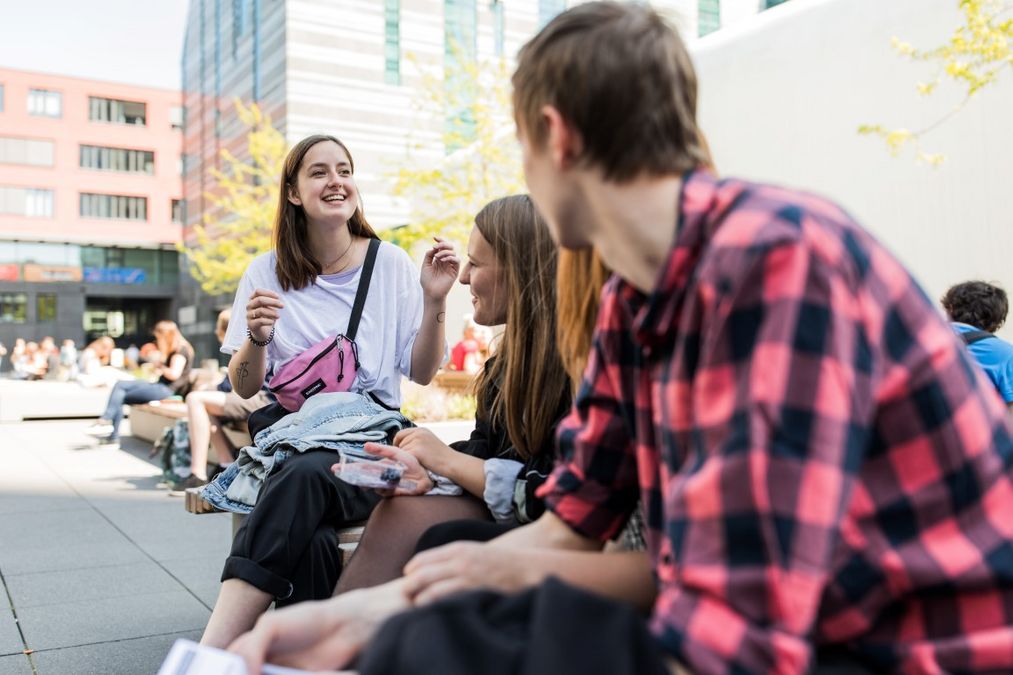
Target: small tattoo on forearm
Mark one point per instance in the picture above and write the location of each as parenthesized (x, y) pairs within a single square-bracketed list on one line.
[(243, 372), (440, 317)]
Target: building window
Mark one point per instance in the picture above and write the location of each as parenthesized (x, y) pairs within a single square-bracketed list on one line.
[(31, 202), (498, 27), (767, 4), (114, 110), (177, 211), (45, 307), (120, 207), (238, 24), (708, 16), (177, 116), (25, 151), (12, 307), (1, 98), (548, 9), (117, 159), (45, 103), (460, 47), (392, 41), (39, 203)]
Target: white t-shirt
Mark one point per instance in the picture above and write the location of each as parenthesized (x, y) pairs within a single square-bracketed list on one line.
[(390, 319)]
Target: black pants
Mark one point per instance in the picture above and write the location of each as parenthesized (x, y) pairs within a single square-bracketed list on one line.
[(287, 546)]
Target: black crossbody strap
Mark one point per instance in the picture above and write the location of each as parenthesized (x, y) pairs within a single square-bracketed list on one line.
[(363, 290), (972, 336)]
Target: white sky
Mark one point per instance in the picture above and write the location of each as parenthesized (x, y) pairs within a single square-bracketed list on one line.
[(132, 41)]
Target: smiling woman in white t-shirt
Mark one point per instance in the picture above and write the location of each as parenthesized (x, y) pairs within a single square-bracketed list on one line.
[(288, 300)]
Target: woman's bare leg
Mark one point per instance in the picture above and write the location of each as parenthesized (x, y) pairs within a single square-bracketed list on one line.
[(392, 532), (198, 406), (225, 452), (237, 609)]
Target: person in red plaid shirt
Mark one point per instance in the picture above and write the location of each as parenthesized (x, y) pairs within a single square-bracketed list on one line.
[(821, 466), (825, 476)]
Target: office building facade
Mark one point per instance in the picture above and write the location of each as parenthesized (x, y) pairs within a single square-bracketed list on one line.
[(351, 68), (91, 207)]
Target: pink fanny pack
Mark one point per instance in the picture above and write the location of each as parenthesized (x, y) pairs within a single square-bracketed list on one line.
[(331, 364)]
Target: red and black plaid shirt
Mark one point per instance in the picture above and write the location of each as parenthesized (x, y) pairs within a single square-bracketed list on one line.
[(819, 461)]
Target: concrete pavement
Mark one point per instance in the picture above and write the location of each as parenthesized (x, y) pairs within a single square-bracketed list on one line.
[(100, 569)]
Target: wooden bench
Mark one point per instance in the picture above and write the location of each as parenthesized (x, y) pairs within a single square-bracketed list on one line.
[(454, 382)]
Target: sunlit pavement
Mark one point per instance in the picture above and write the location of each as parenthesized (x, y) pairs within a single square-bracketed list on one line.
[(101, 569)]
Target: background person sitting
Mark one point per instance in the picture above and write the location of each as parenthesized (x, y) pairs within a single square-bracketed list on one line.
[(173, 376), (472, 350), (33, 362), (978, 309), (206, 411)]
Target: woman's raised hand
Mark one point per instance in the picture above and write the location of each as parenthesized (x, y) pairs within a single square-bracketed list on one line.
[(262, 311), (439, 270)]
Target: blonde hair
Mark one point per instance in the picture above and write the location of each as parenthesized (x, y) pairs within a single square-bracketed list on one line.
[(581, 276), (168, 338), (222, 322)]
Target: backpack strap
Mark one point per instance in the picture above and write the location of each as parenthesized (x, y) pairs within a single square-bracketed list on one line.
[(972, 336), (360, 293)]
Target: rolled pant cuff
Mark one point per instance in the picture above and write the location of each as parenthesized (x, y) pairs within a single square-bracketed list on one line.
[(257, 576)]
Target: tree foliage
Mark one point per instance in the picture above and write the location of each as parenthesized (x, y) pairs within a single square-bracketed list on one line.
[(974, 57), (469, 104), (238, 226)]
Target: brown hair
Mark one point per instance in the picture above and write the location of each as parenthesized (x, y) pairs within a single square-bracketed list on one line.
[(532, 382), (296, 266), (581, 276), (168, 338), (623, 78)]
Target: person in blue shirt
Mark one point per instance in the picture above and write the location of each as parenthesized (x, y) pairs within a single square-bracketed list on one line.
[(976, 310)]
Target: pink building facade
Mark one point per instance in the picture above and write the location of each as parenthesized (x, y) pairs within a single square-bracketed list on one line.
[(90, 207)]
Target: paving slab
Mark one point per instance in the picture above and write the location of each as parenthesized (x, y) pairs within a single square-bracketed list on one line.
[(200, 574), (140, 656), (89, 584), (122, 618), (16, 665), (64, 526), (50, 556), (12, 503), (10, 638)]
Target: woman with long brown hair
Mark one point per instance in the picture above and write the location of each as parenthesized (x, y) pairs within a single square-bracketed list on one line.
[(173, 371), (289, 300), (522, 393)]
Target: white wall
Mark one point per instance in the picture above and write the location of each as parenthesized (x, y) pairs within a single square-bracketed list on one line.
[(781, 97)]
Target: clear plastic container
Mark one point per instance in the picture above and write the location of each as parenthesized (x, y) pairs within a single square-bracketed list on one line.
[(380, 473)]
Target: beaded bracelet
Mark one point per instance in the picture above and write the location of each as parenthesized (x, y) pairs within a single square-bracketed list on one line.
[(260, 343)]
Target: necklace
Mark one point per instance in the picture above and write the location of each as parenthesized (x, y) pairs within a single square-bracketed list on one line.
[(351, 240)]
